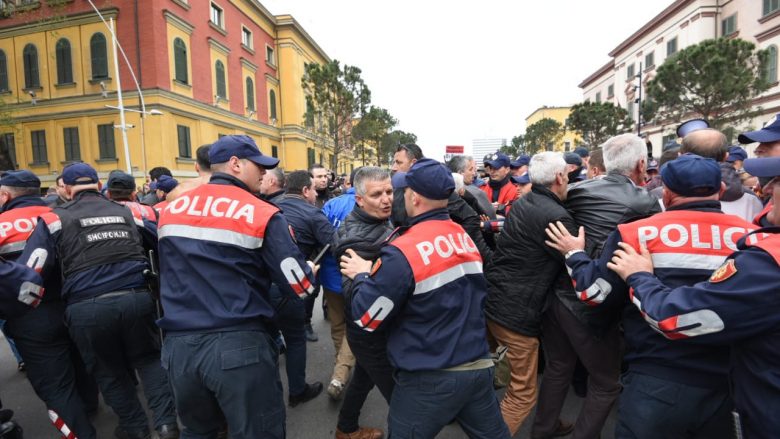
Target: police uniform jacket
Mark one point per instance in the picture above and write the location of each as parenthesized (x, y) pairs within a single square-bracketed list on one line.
[(738, 307), (220, 249), (310, 226), (21, 288), (428, 288), (687, 243), (525, 270)]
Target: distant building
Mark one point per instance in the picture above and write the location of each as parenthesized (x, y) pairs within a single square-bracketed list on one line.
[(481, 147), (682, 24), (569, 140)]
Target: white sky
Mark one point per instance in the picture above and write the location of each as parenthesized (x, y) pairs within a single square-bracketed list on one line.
[(454, 71)]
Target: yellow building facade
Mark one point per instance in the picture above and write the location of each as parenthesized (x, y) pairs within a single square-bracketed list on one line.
[(570, 139)]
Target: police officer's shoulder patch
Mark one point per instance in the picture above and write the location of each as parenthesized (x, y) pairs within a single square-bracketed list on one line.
[(728, 269), (375, 267)]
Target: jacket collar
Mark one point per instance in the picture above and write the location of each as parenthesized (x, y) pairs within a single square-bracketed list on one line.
[(545, 192), (435, 214), (364, 217), (23, 201), (226, 179), (702, 206), (497, 185)]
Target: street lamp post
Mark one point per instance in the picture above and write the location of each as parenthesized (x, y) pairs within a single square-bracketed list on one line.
[(143, 115)]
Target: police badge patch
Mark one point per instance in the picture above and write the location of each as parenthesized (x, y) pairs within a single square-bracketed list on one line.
[(375, 267), (724, 272)]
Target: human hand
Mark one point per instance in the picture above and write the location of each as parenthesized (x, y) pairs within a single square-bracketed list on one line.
[(562, 240), (352, 264), (626, 261), (314, 268)]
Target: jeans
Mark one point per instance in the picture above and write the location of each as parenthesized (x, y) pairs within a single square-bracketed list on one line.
[(235, 373), (651, 407), (54, 367), (371, 368), (113, 333), (424, 402), (290, 320)]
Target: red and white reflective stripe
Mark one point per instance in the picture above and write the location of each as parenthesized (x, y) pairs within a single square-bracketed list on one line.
[(296, 277), (61, 426), (596, 293), (692, 324), (12, 247), (688, 260), (210, 234), (449, 275), (376, 314)]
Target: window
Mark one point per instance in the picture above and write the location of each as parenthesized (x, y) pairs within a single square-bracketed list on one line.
[(3, 72), (216, 15), (630, 72), (274, 151), (630, 109), (650, 60), (671, 47), (729, 25), (10, 146), (180, 61), (39, 146), (269, 55), (30, 59), (770, 71), (99, 56), (246, 37), (310, 157), (250, 94), (598, 97), (611, 90), (184, 141), (771, 6), (72, 148), (64, 62), (272, 104), (219, 70), (106, 141), (567, 146), (309, 114)]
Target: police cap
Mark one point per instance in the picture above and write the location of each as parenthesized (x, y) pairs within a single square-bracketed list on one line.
[(79, 173), (428, 178), (691, 175), (23, 178)]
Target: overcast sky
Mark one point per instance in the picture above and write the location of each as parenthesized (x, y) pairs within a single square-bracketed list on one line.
[(454, 71)]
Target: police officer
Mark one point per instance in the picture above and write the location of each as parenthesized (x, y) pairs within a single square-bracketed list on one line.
[(98, 246), (122, 189), (687, 242), (53, 366), (220, 249), (428, 288), (164, 185), (736, 307)]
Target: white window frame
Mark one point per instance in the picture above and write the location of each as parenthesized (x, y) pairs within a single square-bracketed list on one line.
[(219, 16)]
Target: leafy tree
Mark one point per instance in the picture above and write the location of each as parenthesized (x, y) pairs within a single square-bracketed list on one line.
[(335, 96), (373, 126), (390, 142), (596, 122), (542, 135), (716, 79), (516, 147), (6, 121)]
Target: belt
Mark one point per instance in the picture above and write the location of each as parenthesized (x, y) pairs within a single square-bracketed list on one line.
[(121, 293)]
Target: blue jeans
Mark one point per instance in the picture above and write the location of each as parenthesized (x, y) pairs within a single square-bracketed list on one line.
[(424, 402), (290, 319), (114, 334), (235, 373), (651, 407)]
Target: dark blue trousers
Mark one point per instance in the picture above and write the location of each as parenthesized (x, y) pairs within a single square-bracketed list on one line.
[(235, 373), (290, 320)]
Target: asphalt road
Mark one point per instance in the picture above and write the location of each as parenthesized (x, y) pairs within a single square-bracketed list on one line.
[(314, 420)]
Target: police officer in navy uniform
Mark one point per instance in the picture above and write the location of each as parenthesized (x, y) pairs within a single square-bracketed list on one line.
[(737, 307), (429, 289), (54, 368), (122, 189), (693, 237), (221, 247), (99, 247)]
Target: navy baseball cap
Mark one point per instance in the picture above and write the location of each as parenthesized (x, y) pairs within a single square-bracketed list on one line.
[(523, 179), (652, 165), (165, 183), (520, 161), (23, 178), (428, 178), (582, 151), (736, 153), (120, 180), (690, 126), (79, 173), (498, 160), (691, 175), (763, 167), (241, 146), (670, 145), (770, 133), (572, 159)]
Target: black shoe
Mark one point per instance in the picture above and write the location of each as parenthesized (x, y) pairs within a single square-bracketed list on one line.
[(6, 415), (22, 367), (120, 433), (168, 432), (311, 392), (310, 335)]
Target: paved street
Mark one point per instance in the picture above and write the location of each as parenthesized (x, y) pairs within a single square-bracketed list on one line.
[(313, 420)]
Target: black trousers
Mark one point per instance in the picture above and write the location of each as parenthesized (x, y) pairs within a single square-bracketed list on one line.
[(371, 368), (54, 367)]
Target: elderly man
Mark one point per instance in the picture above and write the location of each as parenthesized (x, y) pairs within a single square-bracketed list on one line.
[(427, 287), (523, 274), (574, 329), (689, 380), (273, 185), (465, 165), (500, 190)]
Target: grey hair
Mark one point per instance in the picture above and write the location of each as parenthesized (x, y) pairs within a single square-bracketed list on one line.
[(459, 163), (459, 184), (278, 174), (622, 152), (368, 173), (544, 166)]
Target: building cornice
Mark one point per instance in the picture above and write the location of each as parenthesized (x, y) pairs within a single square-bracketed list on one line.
[(216, 45), (604, 69), (270, 78), (767, 34), (264, 13), (674, 8), (81, 18), (249, 64), (178, 22), (546, 108), (288, 21)]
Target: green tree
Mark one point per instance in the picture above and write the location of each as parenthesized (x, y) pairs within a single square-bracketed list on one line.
[(596, 122), (6, 122), (390, 142), (542, 135), (335, 96), (373, 126), (716, 79)]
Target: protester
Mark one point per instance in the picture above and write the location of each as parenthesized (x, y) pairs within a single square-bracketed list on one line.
[(500, 190)]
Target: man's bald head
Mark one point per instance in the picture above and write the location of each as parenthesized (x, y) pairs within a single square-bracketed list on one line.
[(708, 143)]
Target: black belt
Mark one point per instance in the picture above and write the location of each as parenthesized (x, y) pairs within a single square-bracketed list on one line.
[(121, 293)]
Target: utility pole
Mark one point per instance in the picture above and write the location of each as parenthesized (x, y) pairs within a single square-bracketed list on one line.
[(639, 102)]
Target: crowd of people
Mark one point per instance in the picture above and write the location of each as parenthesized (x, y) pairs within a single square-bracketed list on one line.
[(644, 283)]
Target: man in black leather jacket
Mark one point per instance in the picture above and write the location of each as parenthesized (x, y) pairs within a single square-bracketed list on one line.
[(573, 329)]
